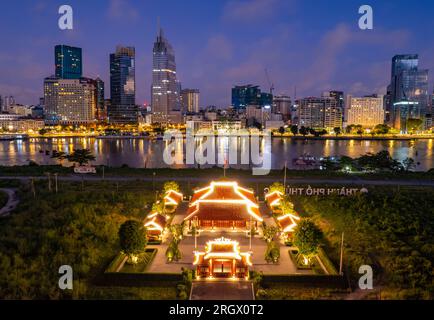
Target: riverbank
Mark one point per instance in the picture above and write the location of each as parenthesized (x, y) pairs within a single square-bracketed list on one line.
[(163, 174)]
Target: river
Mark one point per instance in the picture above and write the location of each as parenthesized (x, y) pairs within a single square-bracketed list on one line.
[(147, 153)]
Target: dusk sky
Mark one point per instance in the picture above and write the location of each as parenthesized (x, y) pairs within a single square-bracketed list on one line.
[(314, 45)]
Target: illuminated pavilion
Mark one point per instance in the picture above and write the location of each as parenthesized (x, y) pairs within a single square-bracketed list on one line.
[(223, 204), (222, 258), (155, 224)]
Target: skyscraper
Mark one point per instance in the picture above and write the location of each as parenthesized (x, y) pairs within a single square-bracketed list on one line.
[(409, 98), (243, 96), (68, 61), (190, 100), (99, 97), (166, 104), (123, 86)]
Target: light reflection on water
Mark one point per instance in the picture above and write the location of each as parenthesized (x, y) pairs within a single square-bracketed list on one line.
[(146, 153)]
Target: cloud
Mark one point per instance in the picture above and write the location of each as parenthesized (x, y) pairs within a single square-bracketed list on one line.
[(247, 10), (325, 60), (219, 47), (122, 9)]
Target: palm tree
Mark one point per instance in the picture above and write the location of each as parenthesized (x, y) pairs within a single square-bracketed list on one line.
[(59, 155), (81, 156)]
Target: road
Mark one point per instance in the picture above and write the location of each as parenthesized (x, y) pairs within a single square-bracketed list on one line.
[(252, 179), (11, 204)]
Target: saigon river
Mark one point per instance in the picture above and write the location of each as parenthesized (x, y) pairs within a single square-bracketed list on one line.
[(143, 152)]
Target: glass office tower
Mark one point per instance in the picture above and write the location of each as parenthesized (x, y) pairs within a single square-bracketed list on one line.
[(123, 86), (68, 61), (408, 90)]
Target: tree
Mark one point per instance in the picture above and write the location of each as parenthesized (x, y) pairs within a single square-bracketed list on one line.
[(173, 253), (277, 186), (270, 232), (287, 206), (381, 129), (408, 164), (81, 156), (42, 131), (158, 207), (294, 130), (307, 238), (272, 253), (304, 131), (346, 163), (337, 130), (177, 231), (59, 155), (413, 125), (132, 238), (170, 185), (281, 130)]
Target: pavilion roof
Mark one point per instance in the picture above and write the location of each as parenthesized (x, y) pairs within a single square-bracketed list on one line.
[(155, 221), (172, 197), (224, 201)]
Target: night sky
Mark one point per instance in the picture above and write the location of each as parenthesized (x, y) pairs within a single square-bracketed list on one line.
[(314, 45)]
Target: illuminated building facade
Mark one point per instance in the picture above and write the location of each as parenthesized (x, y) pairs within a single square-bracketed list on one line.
[(165, 93), (222, 258), (223, 204), (319, 113), (190, 100), (365, 111), (69, 101)]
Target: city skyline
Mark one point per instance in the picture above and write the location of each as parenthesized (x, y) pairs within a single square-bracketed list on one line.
[(213, 58)]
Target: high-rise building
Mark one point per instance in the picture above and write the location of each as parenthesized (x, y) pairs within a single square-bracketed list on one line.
[(243, 96), (408, 91), (99, 97), (166, 101), (319, 113), (123, 86), (68, 62), (190, 100), (7, 102), (365, 111), (69, 101), (282, 105), (1, 103)]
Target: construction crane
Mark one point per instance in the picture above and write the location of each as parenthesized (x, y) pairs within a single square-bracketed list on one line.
[(270, 84)]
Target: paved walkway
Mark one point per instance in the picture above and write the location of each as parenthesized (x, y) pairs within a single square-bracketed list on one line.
[(11, 204), (222, 290), (187, 247)]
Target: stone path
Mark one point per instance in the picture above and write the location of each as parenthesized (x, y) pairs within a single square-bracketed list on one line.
[(11, 204)]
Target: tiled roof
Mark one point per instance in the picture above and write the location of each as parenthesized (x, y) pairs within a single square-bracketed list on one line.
[(223, 201)]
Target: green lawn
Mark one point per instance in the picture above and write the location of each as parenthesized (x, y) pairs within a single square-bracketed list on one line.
[(77, 226), (390, 229)]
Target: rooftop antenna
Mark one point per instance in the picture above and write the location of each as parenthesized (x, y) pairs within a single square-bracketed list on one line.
[(158, 27)]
